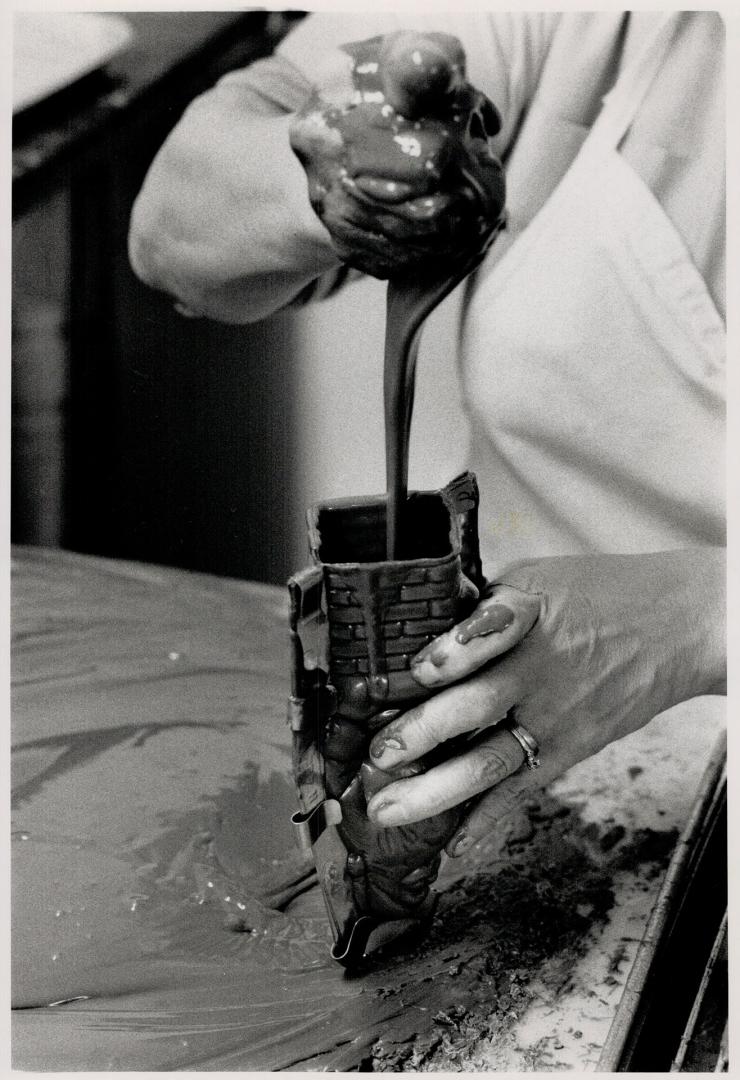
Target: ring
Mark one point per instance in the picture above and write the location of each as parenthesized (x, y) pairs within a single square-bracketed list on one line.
[(527, 742)]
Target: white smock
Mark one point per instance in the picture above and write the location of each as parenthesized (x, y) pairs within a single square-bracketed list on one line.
[(593, 362)]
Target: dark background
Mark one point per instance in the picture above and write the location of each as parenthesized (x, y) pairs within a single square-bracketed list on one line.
[(137, 433)]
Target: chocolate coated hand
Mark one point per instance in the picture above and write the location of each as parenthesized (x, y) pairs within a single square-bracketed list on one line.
[(400, 169)]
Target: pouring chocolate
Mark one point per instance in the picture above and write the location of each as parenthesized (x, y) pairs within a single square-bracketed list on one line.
[(403, 176)]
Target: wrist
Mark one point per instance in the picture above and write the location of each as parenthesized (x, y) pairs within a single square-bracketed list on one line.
[(701, 621)]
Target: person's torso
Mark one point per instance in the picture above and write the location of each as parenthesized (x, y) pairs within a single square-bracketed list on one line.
[(592, 350)]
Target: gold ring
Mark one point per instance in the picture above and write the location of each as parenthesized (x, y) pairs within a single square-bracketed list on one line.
[(527, 742)]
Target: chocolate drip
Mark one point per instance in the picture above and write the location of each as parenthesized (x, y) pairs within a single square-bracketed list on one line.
[(410, 299)]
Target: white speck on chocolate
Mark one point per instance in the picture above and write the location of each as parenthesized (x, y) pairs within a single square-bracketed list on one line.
[(408, 145)]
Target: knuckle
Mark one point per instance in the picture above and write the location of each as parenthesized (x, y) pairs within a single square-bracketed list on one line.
[(506, 800), (430, 726), (489, 765), (490, 811), (482, 822), (492, 688), (501, 688), (484, 819)]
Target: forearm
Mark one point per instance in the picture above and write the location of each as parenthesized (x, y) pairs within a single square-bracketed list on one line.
[(223, 222)]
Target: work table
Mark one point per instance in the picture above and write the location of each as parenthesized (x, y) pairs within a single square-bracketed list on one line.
[(151, 806)]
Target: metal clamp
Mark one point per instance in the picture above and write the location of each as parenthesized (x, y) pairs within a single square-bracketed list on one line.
[(310, 824)]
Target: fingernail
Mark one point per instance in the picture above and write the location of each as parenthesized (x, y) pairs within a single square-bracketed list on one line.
[(460, 844), (426, 675), (435, 654), (379, 746), (489, 620), (377, 811)]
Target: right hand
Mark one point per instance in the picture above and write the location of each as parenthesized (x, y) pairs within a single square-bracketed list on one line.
[(400, 169)]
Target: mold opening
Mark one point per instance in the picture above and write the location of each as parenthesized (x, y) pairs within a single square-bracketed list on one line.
[(356, 533)]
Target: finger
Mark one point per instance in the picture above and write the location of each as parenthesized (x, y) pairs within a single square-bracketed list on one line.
[(422, 211), (378, 189), (427, 209), (363, 230), (495, 626), (488, 763), (495, 805), (356, 240), (473, 705), (414, 219)]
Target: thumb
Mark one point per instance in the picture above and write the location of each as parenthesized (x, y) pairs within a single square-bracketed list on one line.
[(421, 72)]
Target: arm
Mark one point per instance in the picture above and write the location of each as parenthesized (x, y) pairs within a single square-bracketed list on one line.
[(223, 221)]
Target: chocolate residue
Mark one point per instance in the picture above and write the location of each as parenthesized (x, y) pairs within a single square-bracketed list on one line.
[(72, 749), (530, 914), (647, 846), (493, 932), (213, 946)]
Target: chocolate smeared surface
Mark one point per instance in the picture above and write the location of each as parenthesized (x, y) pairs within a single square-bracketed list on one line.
[(152, 795)]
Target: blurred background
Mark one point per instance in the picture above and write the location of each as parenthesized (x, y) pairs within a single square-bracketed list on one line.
[(142, 435)]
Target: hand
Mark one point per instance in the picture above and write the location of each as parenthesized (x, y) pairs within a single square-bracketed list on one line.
[(399, 165), (583, 650)]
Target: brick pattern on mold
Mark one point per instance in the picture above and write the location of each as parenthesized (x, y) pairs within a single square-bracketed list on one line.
[(419, 604)]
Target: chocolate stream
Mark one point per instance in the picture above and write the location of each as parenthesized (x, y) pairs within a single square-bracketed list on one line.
[(410, 300)]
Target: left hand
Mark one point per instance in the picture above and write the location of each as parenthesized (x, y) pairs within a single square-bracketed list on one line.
[(583, 649)]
